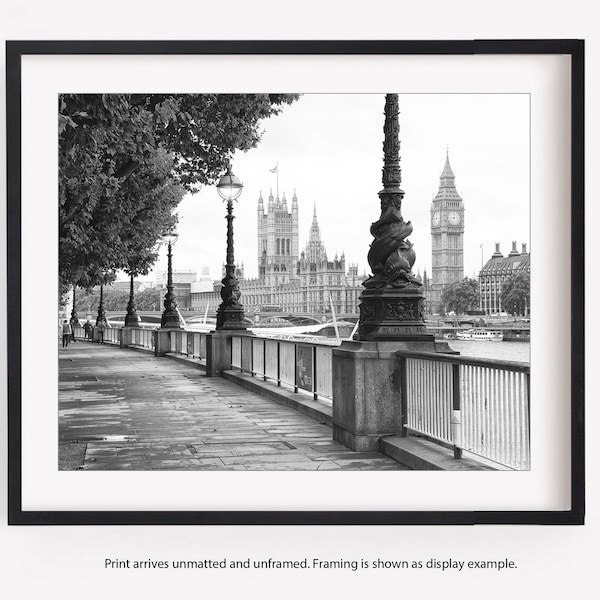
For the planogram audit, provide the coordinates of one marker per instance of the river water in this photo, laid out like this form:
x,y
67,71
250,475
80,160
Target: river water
x,y
513,351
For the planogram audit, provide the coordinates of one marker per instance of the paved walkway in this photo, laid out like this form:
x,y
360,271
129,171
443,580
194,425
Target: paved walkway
x,y
123,409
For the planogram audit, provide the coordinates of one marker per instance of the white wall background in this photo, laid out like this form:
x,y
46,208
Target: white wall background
x,y
67,562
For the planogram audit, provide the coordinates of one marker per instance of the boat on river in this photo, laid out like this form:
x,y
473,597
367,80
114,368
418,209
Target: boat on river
x,y
480,334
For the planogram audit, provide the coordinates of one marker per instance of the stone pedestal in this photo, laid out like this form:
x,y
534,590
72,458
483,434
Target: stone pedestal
x,y
367,402
126,337
163,342
218,350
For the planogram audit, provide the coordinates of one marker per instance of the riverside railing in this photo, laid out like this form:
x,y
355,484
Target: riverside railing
x,y
79,332
477,405
189,343
298,365
143,337
111,334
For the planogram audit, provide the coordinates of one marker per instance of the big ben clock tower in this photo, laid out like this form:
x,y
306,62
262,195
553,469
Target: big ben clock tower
x,y
447,230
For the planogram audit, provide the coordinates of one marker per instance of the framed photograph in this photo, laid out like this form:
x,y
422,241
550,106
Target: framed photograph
x,y
252,262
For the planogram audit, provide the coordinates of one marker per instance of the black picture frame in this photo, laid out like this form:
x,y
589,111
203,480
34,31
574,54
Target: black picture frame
x,y
15,50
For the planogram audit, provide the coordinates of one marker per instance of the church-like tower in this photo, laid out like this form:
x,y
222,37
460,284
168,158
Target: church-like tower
x,y
277,240
323,281
447,231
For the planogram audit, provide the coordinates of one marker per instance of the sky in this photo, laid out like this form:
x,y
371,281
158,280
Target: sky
x,y
329,150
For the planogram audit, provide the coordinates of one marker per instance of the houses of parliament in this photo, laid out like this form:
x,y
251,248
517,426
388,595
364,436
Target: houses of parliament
x,y
290,280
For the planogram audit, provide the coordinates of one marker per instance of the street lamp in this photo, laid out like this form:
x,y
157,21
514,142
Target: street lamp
x,y
101,316
170,316
392,303
230,314
74,316
132,319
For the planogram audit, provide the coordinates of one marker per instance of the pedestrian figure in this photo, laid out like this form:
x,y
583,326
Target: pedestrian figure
x,y
101,327
88,330
67,331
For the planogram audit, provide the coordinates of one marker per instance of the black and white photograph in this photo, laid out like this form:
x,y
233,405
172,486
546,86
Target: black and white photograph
x,y
291,282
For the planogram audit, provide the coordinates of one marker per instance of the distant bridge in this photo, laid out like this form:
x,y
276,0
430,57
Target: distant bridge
x,y
256,319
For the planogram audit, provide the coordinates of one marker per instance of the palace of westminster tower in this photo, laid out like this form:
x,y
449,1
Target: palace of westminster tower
x,y
447,243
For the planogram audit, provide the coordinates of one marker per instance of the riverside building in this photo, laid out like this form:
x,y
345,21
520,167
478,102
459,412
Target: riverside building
x,y
496,271
290,280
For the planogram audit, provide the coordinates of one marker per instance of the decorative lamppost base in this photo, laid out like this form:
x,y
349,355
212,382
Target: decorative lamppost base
x,y
132,320
170,320
393,315
230,318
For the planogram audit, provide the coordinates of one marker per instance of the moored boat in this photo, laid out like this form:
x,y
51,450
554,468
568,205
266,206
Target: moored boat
x,y
478,333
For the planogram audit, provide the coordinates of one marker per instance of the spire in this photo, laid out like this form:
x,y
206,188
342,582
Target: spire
x,y
315,231
260,201
447,172
447,189
271,197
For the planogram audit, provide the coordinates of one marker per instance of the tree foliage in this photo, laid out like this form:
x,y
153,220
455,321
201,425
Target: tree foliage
x,y
150,299
515,293
461,296
125,161
147,299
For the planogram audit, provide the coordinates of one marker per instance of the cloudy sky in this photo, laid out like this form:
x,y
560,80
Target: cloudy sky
x,y
329,150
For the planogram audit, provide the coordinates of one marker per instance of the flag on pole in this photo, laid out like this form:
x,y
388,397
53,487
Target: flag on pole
x,y
274,169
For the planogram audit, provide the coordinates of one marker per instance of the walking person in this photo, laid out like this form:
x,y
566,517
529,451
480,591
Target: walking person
x,y
67,331
88,330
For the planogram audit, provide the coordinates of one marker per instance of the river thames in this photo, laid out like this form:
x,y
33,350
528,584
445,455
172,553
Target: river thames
x,y
512,351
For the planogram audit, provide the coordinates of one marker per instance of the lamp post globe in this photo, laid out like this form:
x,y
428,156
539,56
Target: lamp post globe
x,y
229,186
170,316
230,314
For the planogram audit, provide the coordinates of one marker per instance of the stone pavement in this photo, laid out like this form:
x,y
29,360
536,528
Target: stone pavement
x,y
124,409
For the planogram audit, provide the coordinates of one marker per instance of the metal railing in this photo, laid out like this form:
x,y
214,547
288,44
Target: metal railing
x,y
79,332
188,343
298,365
477,405
144,338
112,335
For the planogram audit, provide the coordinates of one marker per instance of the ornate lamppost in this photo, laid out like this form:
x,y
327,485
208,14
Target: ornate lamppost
x,y
101,317
392,303
230,314
74,316
170,316
132,319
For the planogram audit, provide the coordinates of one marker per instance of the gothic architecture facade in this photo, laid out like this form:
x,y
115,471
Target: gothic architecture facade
x,y
447,245
289,280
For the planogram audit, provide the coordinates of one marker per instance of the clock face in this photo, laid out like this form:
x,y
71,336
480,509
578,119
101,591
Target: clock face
x,y
454,218
435,218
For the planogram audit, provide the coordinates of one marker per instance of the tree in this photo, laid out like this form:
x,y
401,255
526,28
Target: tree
x,y
121,231
515,293
150,298
87,301
125,160
461,296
